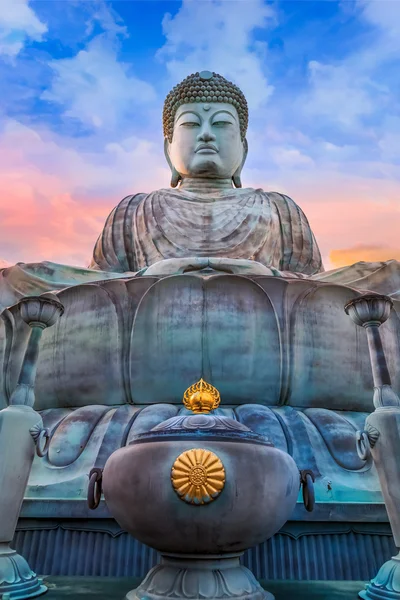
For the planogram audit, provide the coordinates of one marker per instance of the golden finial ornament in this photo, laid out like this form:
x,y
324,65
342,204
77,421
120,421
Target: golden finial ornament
x,y
198,476
201,397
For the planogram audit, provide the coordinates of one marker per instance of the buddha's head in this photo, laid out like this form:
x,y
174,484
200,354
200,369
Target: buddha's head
x,y
205,122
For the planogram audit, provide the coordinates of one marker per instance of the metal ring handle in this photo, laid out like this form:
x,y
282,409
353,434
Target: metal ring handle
x,y
43,443
307,479
362,444
94,488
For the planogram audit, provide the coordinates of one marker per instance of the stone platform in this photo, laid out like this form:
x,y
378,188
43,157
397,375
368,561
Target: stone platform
x,y
114,588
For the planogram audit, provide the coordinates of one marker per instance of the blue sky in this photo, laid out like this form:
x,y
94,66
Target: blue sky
x,y
80,114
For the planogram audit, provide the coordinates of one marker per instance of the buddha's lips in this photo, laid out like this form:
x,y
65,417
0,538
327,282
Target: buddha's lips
x,y
207,147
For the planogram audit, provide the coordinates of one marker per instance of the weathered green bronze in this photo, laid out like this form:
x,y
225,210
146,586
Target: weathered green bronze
x,y
381,436
205,278
17,451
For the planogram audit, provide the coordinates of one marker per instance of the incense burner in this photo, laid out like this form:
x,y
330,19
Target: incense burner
x,y
201,489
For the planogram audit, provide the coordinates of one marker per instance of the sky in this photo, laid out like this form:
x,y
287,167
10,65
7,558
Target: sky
x,y
82,88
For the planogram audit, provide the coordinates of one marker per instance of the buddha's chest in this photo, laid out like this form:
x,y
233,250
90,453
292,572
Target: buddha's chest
x,y
211,226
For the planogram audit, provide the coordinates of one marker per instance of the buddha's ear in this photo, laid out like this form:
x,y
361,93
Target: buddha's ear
x,y
175,177
237,182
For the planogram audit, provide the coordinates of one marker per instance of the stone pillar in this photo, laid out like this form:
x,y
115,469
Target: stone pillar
x,y
381,436
17,448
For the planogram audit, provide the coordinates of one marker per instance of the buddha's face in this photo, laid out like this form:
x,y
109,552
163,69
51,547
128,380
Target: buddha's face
x,y
206,140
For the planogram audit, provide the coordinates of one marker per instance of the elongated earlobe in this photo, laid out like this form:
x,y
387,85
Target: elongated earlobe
x,y
175,178
237,182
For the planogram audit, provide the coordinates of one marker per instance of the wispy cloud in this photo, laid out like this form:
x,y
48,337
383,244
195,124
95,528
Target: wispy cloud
x,y
385,14
18,22
340,93
363,253
96,88
220,37
54,198
108,19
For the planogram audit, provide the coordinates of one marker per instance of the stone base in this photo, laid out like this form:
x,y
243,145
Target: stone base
x,y
386,584
17,581
180,577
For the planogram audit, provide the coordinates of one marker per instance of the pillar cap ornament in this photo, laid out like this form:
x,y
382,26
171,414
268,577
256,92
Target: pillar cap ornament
x,y
369,309
40,311
201,397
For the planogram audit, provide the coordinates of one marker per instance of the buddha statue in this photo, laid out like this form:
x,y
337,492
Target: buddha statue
x,y
203,280
206,213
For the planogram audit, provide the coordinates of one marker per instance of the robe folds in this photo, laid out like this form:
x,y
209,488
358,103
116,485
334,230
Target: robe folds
x,y
237,223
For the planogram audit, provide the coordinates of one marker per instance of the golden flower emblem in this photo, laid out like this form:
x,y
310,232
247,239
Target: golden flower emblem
x,y
198,476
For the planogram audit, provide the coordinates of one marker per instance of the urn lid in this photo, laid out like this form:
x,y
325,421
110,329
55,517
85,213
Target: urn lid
x,y
202,399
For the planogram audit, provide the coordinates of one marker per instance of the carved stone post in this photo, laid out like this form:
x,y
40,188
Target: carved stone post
x,y
17,448
381,436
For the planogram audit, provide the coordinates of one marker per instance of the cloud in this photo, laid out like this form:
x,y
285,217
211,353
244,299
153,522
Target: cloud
x,y
343,117
108,19
290,157
55,198
18,23
56,190
344,209
362,252
389,142
385,14
338,93
360,84
95,88
212,35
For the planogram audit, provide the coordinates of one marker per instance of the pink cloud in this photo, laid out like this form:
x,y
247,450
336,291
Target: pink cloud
x,y
344,210
344,219
54,199
363,252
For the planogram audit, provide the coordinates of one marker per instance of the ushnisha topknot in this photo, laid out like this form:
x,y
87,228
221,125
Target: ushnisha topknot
x,y
204,87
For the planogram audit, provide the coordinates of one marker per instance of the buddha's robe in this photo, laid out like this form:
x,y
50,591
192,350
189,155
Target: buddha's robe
x,y
238,224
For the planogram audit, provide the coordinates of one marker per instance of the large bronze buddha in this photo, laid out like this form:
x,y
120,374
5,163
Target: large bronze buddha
x,y
207,213
205,279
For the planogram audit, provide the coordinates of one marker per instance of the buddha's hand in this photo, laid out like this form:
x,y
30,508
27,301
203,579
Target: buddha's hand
x,y
209,264
175,266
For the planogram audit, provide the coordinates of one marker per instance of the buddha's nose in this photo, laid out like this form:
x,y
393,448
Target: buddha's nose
x,y
206,136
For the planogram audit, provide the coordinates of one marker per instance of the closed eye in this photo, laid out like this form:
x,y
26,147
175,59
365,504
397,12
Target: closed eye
x,y
190,124
221,123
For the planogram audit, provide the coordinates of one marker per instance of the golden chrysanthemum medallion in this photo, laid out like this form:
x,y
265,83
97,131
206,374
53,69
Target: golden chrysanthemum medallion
x,y
198,476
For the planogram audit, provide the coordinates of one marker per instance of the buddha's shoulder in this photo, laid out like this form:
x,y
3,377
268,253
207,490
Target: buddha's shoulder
x,y
281,201
133,200
129,201
276,197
